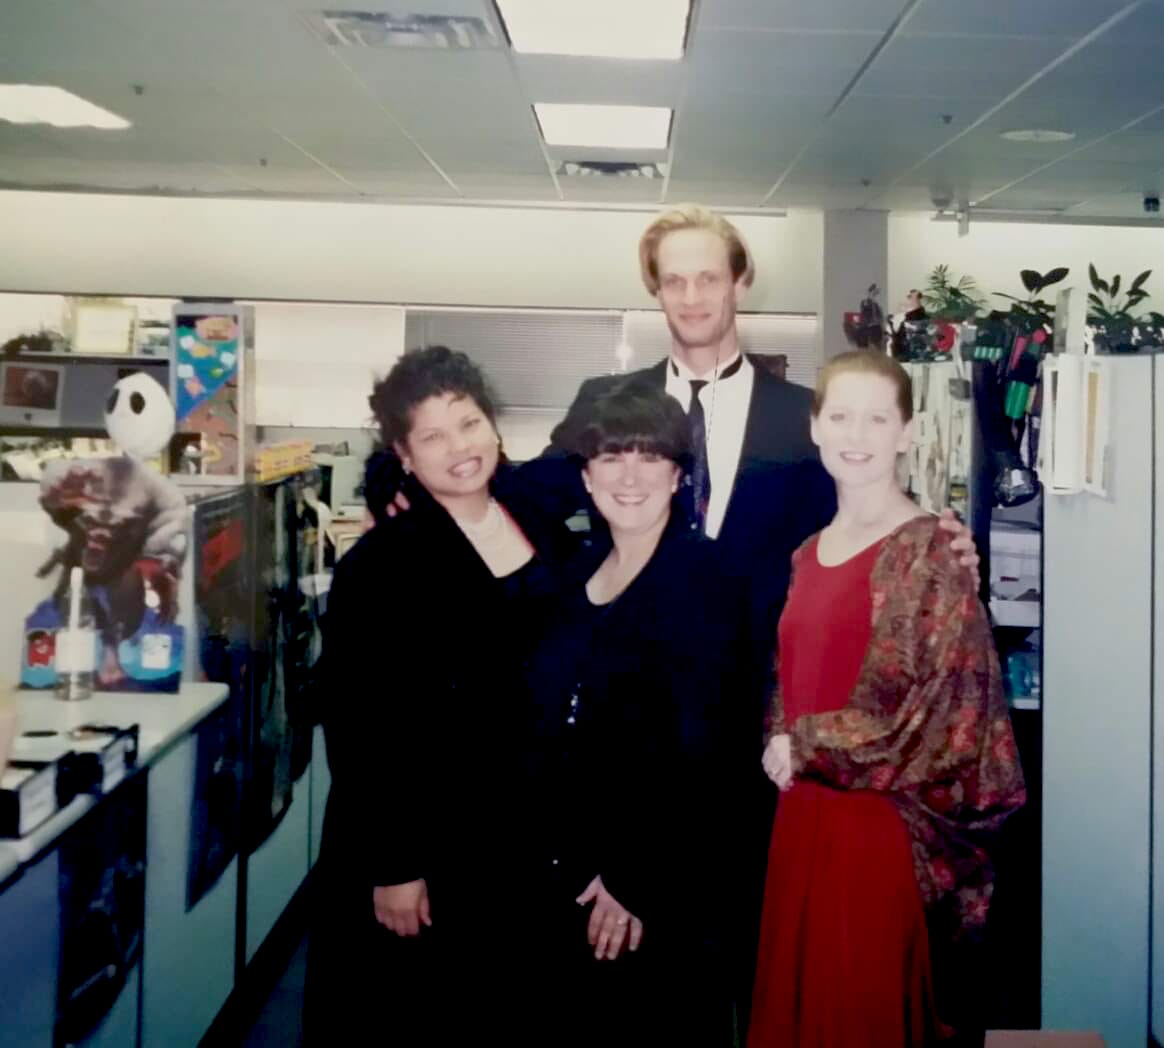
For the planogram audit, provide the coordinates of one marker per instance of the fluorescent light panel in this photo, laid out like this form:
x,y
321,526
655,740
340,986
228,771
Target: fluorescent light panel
x,y
650,29
39,104
604,127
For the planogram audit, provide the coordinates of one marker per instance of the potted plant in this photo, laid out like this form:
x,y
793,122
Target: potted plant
x,y
949,299
1027,315
1117,329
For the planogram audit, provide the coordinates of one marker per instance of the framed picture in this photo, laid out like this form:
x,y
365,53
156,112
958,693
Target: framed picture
x,y
101,326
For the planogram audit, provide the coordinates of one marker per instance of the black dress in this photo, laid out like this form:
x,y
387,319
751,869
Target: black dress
x,y
426,732
642,710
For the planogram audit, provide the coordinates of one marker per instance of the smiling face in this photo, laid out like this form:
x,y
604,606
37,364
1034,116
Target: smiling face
x,y
860,430
632,489
452,447
696,289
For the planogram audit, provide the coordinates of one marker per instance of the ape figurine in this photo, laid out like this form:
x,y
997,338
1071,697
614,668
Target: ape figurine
x,y
127,531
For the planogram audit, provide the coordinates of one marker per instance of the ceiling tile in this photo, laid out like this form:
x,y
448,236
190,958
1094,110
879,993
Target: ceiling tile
x,y
612,190
970,68
505,187
816,195
1035,18
842,16
772,64
717,192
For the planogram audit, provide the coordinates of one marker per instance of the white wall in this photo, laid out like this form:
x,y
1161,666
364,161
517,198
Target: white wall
x,y
315,364
96,243
993,253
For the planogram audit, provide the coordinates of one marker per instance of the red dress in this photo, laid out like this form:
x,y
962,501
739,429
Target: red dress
x,y
844,955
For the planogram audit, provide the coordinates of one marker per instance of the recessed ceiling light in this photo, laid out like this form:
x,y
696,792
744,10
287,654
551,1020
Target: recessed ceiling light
x,y
604,127
1038,134
597,28
37,104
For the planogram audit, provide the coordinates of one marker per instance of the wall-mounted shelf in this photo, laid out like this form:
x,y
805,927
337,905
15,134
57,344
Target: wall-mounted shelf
x,y
122,359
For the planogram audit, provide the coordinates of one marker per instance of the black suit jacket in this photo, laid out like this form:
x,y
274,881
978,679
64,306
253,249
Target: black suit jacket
x,y
777,429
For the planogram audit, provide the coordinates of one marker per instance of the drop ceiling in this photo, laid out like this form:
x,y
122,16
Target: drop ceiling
x,y
777,104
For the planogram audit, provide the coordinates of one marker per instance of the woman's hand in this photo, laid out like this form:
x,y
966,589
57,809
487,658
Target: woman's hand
x,y
777,761
612,926
962,542
403,908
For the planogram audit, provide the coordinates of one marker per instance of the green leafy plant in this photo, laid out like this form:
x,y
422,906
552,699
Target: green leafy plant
x,y
946,298
1034,311
1113,317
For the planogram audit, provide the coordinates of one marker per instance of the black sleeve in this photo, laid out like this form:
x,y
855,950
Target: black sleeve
x,y
554,483
383,477
371,721
562,437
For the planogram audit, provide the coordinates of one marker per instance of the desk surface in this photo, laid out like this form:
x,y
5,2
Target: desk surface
x,y
162,719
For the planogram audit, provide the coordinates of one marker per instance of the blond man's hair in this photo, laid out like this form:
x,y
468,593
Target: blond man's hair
x,y
866,362
693,216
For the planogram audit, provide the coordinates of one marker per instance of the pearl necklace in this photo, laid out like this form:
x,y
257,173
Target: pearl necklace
x,y
485,529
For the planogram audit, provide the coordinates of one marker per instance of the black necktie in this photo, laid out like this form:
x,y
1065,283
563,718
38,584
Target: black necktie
x,y
701,473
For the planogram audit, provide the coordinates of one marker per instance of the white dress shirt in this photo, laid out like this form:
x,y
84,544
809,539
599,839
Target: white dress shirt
x,y
725,407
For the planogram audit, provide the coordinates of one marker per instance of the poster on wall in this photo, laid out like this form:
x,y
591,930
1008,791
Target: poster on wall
x,y
208,381
270,782
222,615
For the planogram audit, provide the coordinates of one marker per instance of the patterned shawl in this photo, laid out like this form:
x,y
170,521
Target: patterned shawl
x,y
927,722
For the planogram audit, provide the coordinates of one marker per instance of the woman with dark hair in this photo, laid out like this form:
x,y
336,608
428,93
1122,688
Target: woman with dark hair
x,y
418,929
635,685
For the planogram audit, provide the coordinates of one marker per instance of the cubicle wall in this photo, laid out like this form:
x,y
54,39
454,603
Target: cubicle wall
x,y
1098,688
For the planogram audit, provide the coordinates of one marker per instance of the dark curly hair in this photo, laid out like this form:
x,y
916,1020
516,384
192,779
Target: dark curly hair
x,y
422,373
631,416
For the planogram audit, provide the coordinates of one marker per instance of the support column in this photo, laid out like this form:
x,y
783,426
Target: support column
x,y
856,254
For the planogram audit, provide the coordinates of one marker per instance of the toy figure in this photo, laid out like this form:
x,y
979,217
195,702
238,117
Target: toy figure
x,y
127,531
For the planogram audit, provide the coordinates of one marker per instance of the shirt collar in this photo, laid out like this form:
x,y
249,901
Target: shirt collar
x,y
677,369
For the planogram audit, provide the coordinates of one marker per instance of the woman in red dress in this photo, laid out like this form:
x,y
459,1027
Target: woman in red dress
x,y
890,739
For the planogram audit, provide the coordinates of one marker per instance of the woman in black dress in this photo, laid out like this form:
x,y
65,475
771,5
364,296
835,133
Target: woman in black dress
x,y
418,929
644,738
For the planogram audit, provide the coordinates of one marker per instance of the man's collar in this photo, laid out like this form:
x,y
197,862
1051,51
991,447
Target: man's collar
x,y
724,369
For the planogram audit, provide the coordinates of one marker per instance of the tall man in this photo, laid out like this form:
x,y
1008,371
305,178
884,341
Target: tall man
x,y
697,266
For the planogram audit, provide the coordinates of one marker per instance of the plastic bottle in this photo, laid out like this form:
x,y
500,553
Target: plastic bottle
x,y
76,644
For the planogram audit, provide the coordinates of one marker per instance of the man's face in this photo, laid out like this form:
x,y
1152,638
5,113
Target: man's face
x,y
696,289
